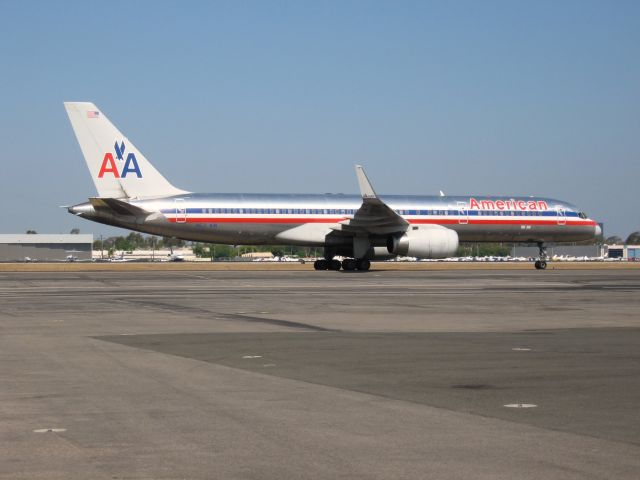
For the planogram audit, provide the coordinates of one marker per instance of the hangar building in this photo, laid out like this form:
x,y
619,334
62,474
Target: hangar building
x,y
626,252
45,247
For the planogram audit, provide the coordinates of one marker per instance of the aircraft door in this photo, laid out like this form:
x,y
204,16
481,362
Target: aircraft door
x,y
561,217
463,213
181,211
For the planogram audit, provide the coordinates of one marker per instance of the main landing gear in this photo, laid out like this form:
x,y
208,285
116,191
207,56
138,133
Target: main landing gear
x,y
351,264
324,264
542,263
348,264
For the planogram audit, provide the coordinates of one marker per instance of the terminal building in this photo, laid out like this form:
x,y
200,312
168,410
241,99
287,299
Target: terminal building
x,y
45,247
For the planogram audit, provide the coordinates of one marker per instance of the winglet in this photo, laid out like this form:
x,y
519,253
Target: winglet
x,y
366,190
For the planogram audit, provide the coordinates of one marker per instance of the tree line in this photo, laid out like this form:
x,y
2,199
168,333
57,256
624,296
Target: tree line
x,y
632,239
137,241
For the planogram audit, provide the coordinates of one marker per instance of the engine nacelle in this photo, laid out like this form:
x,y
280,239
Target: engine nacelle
x,y
427,241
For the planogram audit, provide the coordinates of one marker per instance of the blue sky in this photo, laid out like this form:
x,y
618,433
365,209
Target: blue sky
x,y
495,97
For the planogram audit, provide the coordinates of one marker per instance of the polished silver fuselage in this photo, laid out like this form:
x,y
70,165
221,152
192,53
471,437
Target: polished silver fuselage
x,y
265,218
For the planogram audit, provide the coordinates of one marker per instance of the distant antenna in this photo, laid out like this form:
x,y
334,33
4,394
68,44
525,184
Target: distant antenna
x,y
441,193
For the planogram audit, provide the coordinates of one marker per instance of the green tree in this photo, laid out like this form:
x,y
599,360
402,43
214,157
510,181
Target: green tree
x,y
224,251
633,239
172,242
121,243
613,240
483,250
200,250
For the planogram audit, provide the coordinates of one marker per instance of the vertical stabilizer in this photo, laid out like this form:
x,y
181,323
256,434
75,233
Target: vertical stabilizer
x,y
117,167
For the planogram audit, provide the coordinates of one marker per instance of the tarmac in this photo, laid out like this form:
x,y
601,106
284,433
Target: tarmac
x,y
202,374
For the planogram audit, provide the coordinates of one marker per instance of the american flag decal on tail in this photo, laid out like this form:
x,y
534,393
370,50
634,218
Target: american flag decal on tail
x,y
93,114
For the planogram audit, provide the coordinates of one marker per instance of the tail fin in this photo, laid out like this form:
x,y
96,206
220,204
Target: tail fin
x,y
117,167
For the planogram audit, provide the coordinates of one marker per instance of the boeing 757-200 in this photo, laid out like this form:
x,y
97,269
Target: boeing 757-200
x,y
132,194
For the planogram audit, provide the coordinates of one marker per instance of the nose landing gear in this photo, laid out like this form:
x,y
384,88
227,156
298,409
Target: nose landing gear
x,y
542,263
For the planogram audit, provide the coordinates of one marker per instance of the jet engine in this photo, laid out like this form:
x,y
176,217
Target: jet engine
x,y
424,241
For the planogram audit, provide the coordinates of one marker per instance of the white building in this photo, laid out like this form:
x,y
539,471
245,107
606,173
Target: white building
x,y
626,252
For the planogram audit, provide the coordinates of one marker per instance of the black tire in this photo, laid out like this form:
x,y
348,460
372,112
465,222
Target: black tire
x,y
537,265
543,265
364,264
335,265
349,264
320,264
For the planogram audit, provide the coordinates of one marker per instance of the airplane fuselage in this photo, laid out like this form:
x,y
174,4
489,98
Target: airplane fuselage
x,y
265,218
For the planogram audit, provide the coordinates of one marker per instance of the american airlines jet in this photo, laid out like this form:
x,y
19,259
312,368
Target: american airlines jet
x,y
132,194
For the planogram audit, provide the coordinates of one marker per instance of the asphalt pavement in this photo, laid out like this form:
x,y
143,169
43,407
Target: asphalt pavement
x,y
386,374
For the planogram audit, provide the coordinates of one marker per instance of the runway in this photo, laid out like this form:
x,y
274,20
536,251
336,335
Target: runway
x,y
301,374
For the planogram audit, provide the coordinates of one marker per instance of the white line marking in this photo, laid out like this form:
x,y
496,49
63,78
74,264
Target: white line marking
x,y
269,365
520,405
50,430
521,349
252,356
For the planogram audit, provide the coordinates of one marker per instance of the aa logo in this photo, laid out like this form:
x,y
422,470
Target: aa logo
x,y
109,165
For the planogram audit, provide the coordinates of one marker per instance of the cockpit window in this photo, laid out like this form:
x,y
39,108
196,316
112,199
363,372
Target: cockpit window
x,y
582,215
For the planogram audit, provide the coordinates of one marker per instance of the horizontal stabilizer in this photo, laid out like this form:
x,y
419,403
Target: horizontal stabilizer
x,y
118,206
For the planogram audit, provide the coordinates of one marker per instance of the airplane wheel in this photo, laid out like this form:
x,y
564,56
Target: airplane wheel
x,y
537,264
364,264
335,265
543,265
349,264
320,265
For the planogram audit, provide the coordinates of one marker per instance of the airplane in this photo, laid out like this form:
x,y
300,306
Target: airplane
x,y
71,257
132,194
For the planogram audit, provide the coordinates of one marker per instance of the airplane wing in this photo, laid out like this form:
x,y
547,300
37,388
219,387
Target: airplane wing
x,y
374,216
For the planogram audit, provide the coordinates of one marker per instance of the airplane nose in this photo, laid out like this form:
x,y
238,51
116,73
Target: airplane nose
x,y
598,231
